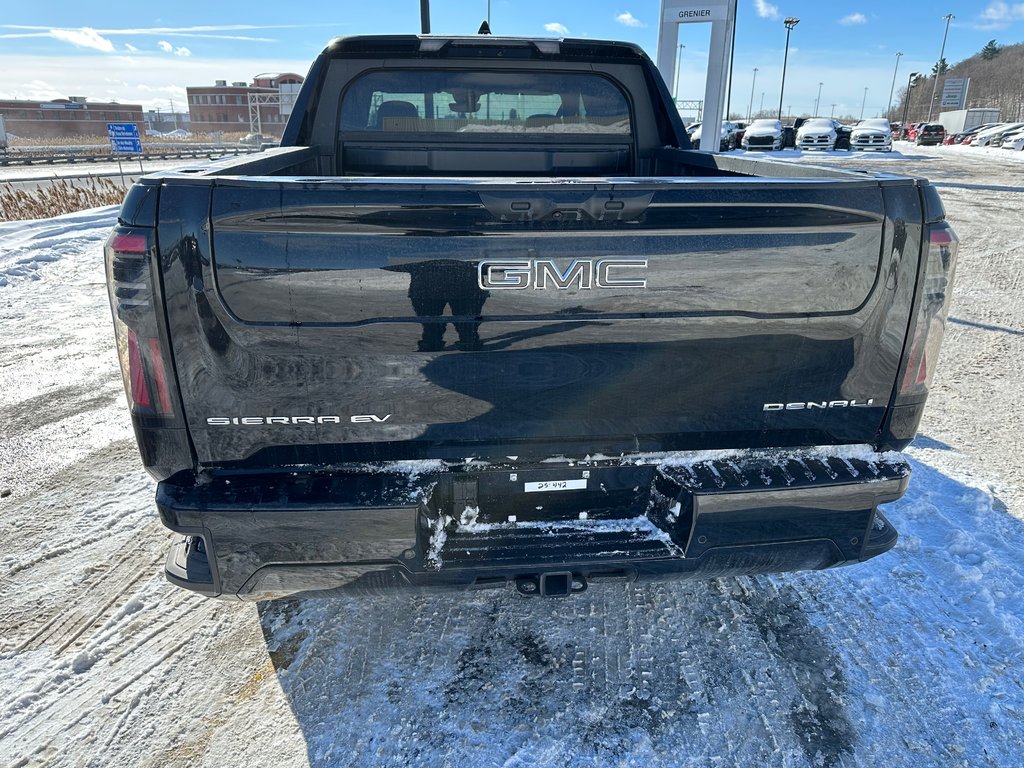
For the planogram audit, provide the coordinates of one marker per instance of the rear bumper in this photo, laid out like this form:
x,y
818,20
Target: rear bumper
x,y
359,528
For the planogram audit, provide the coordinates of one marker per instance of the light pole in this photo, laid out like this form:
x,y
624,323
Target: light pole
x,y
892,88
906,107
679,60
817,101
761,108
750,106
942,52
833,112
863,102
790,22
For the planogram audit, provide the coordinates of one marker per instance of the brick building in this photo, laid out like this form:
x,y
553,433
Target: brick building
x,y
223,107
66,117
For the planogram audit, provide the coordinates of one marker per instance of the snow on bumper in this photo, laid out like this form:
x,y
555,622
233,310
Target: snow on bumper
x,y
686,514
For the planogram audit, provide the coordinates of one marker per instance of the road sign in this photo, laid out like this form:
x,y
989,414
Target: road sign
x,y
129,146
124,137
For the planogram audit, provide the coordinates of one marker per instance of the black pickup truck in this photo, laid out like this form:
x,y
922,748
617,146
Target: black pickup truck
x,y
485,319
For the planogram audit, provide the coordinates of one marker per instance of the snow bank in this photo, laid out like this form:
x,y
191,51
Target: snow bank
x,y
26,247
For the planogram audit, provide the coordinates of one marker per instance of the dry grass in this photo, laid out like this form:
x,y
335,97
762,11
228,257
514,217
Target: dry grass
x,y
60,197
101,144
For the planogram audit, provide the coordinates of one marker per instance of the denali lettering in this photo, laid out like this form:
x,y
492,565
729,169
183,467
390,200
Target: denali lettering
x,y
811,405
584,274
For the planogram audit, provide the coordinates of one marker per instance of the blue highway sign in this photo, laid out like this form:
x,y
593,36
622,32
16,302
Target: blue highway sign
x,y
124,137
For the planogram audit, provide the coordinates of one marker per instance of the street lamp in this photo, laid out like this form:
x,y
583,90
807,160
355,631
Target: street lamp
x,y
911,82
942,52
833,112
679,60
863,102
817,100
790,22
750,106
892,88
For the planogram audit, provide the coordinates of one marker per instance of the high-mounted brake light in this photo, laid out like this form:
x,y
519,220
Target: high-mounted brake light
x,y
930,322
128,254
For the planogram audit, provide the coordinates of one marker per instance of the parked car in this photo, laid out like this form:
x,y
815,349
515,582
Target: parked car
x,y
727,136
763,133
992,135
872,134
996,138
958,138
930,134
741,128
1014,141
816,133
912,131
844,134
966,136
256,139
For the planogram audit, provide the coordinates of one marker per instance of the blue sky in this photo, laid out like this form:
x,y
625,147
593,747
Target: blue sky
x,y
147,53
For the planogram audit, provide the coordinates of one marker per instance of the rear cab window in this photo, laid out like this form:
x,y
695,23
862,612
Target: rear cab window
x,y
485,104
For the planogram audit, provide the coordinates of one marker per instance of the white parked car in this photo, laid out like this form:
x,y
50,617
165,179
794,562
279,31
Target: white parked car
x,y
817,133
1014,141
872,134
727,136
985,138
763,133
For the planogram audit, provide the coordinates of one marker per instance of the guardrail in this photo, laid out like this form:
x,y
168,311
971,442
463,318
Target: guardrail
x,y
71,158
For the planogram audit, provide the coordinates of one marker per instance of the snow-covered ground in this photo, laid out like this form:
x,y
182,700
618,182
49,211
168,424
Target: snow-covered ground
x,y
914,659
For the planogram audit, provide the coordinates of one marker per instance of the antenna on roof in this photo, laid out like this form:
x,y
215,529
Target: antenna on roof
x,y
485,28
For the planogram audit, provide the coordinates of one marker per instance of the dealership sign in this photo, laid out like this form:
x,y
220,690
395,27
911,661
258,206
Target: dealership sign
x,y
954,92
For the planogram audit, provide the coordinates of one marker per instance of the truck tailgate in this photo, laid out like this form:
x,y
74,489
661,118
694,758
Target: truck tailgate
x,y
320,321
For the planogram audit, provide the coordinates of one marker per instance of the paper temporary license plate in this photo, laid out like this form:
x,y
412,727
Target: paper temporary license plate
x,y
546,486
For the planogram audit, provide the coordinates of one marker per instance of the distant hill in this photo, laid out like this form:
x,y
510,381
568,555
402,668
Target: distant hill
x,y
997,80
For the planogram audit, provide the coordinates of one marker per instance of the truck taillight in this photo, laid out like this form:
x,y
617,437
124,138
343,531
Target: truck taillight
x,y
930,322
128,254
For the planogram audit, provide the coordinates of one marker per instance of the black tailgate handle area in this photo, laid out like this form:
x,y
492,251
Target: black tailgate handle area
x,y
596,206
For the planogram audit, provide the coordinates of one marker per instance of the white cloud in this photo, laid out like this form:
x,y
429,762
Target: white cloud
x,y
208,31
165,46
39,90
766,10
83,38
1003,12
152,79
183,51
854,18
558,29
629,20
130,48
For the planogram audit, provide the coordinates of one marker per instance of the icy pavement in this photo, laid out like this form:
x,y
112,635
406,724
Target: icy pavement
x,y
913,659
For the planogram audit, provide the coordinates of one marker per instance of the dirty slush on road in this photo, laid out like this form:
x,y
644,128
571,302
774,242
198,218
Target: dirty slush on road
x,y
914,658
